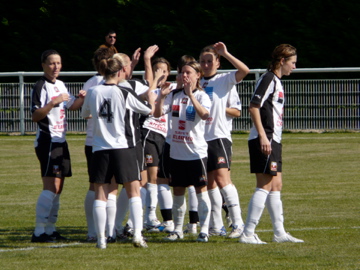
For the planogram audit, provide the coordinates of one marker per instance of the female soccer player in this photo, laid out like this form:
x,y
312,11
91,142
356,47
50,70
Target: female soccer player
x,y
114,141
218,87
49,101
266,111
189,108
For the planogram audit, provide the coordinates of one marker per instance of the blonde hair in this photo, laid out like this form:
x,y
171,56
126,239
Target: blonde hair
x,y
123,58
196,66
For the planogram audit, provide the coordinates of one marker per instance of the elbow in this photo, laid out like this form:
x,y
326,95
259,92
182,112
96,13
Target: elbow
x,y
205,116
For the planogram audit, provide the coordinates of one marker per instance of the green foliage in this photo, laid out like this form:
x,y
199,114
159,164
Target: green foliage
x,y
325,35
320,195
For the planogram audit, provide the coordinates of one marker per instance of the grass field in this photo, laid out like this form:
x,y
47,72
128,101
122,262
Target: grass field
x,y
320,195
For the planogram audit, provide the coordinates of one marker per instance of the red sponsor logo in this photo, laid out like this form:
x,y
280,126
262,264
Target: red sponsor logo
x,y
175,108
182,125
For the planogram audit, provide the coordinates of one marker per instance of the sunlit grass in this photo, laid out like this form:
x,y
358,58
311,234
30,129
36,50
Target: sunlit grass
x,y
320,197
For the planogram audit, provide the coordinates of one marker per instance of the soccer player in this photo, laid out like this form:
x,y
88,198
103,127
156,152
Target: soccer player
x,y
49,101
266,111
189,108
218,87
114,141
99,54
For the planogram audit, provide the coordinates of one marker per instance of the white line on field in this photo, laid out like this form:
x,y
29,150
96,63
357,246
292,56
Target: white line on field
x,y
31,248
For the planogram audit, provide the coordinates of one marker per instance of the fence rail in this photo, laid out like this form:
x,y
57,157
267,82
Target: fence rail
x,y
330,104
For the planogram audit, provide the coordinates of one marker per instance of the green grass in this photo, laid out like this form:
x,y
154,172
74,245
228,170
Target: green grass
x,y
320,195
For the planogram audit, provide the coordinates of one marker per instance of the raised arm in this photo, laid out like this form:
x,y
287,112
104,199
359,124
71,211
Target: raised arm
x,y
242,69
148,54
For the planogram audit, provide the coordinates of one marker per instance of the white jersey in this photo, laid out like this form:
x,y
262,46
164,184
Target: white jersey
x,y
218,88
93,81
188,129
54,125
158,124
110,107
269,94
139,87
232,102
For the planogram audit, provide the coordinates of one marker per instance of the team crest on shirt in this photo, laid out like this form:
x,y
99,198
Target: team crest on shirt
x,y
149,158
221,160
273,166
175,110
281,97
56,89
202,178
56,169
184,100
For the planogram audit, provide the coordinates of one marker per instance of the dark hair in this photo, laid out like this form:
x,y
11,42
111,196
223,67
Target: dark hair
x,y
110,32
46,54
161,60
282,51
183,60
100,54
108,67
210,49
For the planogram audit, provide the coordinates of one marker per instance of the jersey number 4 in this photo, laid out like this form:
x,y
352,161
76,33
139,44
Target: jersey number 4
x,y
105,110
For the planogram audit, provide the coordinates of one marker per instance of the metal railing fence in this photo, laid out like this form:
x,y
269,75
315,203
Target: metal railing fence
x,y
330,104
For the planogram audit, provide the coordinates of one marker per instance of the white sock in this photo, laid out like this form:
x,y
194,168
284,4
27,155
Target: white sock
x,y
256,207
151,202
275,209
110,214
122,206
100,218
136,214
165,197
204,210
193,199
88,206
43,208
216,221
237,198
179,209
231,198
143,192
53,216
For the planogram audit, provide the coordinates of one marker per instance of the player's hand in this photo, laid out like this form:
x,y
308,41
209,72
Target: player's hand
x,y
150,51
265,146
220,48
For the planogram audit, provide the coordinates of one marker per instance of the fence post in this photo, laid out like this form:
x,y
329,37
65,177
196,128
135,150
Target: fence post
x,y
22,109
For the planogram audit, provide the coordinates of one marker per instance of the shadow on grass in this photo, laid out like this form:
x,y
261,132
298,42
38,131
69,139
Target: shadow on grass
x,y
21,237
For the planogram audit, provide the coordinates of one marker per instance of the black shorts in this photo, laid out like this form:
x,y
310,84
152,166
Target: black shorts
x,y
186,173
153,146
164,162
219,154
54,159
121,163
140,156
88,155
260,163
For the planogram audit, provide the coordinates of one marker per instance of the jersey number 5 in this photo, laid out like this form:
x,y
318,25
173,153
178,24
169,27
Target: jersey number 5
x,y
105,110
